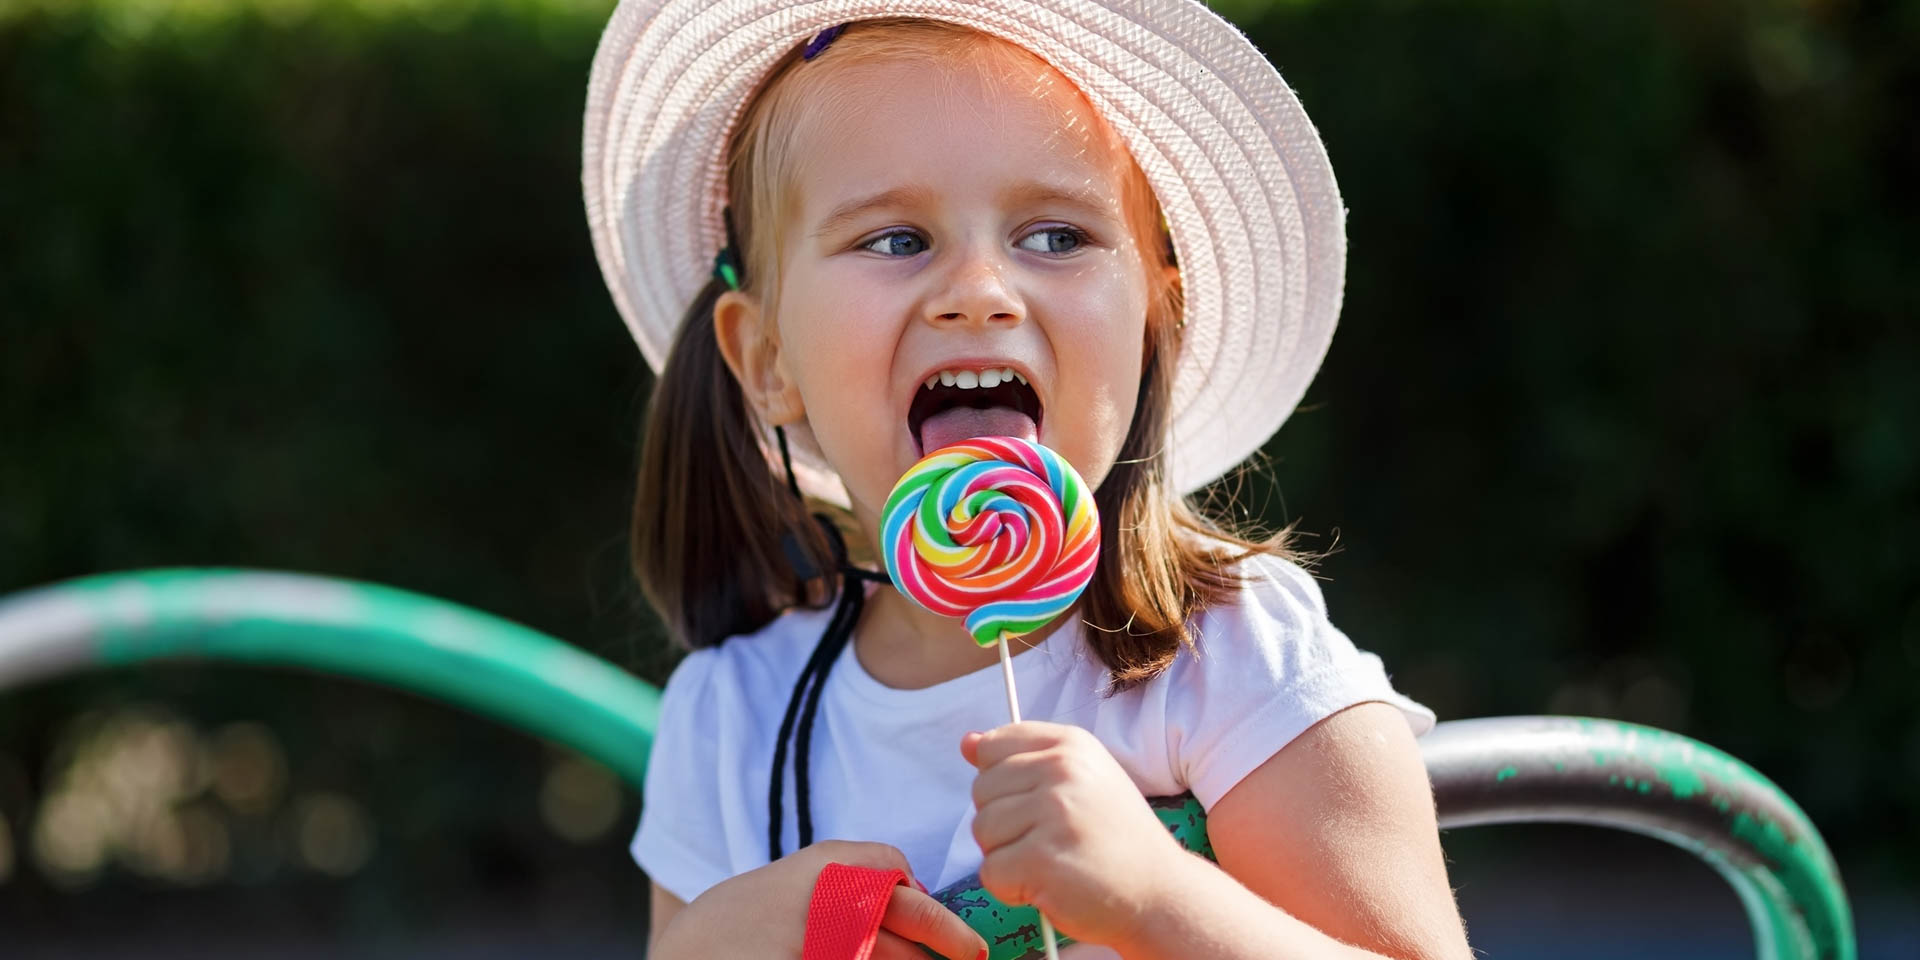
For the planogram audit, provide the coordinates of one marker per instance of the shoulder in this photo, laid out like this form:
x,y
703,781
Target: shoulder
x,y
730,696
1271,587
1265,665
1274,635
750,662
1277,610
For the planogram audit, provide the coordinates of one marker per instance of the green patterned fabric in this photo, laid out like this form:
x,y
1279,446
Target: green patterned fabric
x,y
1013,932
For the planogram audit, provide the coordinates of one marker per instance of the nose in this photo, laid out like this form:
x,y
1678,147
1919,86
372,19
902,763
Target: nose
x,y
976,291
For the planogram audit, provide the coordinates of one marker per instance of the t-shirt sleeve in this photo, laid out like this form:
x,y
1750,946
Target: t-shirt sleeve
x,y
1264,670
680,843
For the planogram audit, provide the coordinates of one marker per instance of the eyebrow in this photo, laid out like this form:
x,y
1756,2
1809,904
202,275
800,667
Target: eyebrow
x,y
1034,193
852,209
1028,193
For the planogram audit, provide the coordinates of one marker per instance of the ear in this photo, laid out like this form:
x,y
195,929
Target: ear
x,y
752,352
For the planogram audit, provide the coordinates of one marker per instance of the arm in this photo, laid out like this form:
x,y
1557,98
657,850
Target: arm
x,y
664,907
1329,849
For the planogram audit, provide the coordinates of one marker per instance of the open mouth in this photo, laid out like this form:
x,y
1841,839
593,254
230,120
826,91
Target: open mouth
x,y
959,404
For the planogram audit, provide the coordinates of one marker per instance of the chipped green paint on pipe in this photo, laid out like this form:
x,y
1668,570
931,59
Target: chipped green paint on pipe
x,y
1650,781
437,649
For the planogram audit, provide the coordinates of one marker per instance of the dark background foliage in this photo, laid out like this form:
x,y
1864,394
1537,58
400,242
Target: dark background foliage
x,y
1620,419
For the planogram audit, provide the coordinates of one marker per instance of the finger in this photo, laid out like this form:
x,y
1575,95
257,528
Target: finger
x,y
922,919
1008,873
1003,742
1004,821
890,947
853,853
969,743
1020,773
887,946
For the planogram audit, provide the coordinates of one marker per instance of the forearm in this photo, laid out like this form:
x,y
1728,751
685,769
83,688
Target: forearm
x,y
713,926
1204,912
684,937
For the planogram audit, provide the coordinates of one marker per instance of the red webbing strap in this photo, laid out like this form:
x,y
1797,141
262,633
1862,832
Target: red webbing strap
x,y
843,921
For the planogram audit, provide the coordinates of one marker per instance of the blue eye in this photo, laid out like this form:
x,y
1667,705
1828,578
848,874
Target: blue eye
x,y
901,243
1056,240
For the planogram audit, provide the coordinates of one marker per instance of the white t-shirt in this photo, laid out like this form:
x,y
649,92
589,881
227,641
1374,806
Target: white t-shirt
x,y
886,762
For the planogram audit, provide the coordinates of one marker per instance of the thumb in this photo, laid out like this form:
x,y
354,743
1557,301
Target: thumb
x,y
970,747
920,918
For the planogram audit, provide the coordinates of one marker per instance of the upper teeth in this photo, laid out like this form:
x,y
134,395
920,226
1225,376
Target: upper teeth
x,y
968,379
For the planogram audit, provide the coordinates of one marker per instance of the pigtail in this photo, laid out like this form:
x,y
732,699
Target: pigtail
x,y
718,541
1161,561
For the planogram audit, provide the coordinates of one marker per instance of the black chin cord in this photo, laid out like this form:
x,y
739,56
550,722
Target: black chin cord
x,y
804,704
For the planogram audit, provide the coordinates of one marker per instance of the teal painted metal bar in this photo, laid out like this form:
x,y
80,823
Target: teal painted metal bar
x,y
1496,770
430,647
1663,785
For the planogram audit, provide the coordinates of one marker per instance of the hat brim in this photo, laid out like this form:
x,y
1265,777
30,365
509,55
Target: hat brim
x,y
1249,196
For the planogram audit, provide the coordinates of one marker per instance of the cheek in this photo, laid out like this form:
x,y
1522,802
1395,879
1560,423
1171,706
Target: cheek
x,y
838,344
1103,354
839,351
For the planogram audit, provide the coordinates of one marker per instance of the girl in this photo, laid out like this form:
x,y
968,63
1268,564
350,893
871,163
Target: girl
x,y
1100,224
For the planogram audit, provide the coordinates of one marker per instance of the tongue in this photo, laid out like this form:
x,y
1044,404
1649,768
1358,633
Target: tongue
x,y
964,423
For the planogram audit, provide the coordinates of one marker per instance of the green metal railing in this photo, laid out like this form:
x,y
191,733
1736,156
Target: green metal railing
x,y
1663,785
1497,770
431,647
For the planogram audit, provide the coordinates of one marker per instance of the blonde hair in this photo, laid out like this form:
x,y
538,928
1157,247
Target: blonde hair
x,y
709,513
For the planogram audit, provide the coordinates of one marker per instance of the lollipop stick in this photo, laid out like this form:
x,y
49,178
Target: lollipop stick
x,y
1006,671
1013,707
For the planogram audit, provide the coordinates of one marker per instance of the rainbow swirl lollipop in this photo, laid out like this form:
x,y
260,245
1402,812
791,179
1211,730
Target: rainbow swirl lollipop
x,y
998,530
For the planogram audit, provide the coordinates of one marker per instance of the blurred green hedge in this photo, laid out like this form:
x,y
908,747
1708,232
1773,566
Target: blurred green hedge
x,y
1620,419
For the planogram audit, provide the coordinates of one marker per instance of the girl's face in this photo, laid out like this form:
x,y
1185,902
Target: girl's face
x,y
948,225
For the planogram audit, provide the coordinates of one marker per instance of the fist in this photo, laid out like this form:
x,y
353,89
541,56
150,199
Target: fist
x,y
763,913
1062,826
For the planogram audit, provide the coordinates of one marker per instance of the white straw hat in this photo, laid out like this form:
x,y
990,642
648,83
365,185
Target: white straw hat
x,y
1249,196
